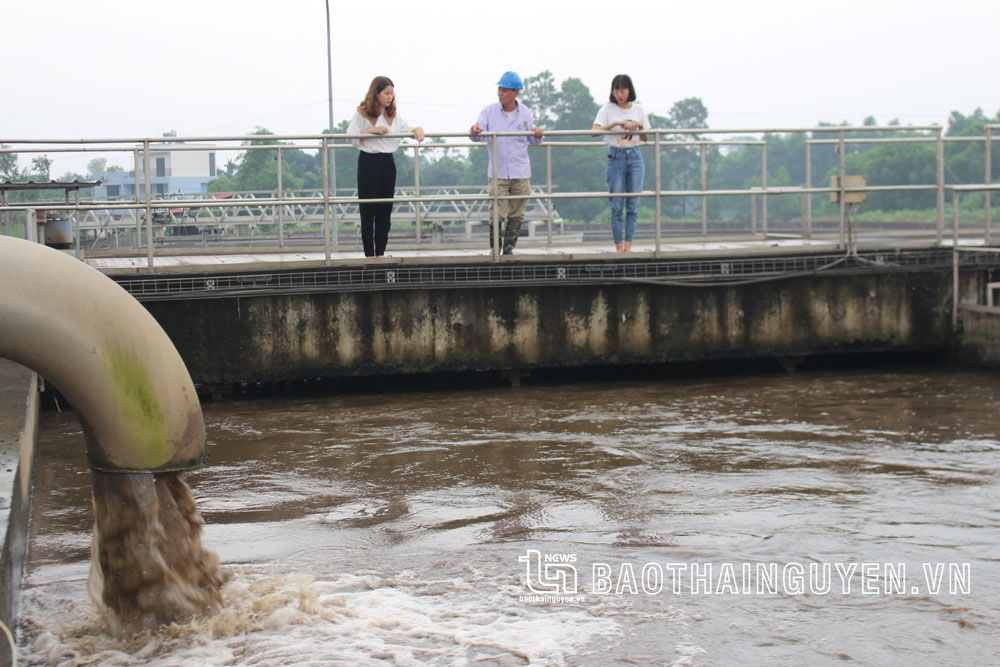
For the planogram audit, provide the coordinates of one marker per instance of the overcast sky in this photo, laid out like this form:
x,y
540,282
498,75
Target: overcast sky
x,y
116,68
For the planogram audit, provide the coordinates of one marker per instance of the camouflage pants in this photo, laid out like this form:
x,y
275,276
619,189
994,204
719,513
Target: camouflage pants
x,y
511,210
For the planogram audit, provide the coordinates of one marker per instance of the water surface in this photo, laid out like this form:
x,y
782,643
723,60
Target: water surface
x,y
404,528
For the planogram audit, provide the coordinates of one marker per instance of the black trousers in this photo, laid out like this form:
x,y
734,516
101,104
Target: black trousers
x,y
376,180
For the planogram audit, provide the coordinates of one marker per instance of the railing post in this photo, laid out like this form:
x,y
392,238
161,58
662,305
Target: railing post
x,y
281,213
704,188
31,226
416,190
495,212
5,216
807,223
954,287
842,181
956,201
940,184
334,228
656,146
763,197
326,199
149,209
548,187
989,181
76,224
138,218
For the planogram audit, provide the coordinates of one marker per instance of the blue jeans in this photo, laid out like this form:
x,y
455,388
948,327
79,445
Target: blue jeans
x,y
625,174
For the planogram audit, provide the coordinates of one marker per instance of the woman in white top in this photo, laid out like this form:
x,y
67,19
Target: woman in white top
x,y
376,115
625,166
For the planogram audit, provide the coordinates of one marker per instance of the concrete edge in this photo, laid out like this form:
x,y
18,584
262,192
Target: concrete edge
x,y
253,260
17,510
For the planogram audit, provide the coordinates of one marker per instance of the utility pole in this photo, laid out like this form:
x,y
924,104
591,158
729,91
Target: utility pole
x,y
330,152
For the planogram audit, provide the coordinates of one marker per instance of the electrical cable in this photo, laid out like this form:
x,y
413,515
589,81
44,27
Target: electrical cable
x,y
736,283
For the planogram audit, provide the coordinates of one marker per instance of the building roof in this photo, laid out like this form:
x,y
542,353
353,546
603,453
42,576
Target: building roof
x,y
47,185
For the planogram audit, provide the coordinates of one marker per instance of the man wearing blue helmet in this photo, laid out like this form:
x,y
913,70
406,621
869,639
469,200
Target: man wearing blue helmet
x,y
513,176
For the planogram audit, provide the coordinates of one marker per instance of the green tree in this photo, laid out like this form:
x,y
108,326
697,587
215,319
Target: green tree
x,y
575,107
897,164
8,165
445,171
575,169
737,167
540,95
962,125
475,169
304,167
73,176
689,113
257,169
965,162
97,166
40,167
681,165
346,160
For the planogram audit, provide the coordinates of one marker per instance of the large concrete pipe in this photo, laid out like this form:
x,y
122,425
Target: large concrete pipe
x,y
106,354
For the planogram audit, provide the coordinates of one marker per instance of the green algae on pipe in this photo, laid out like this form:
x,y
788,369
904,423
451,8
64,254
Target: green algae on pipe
x,y
106,354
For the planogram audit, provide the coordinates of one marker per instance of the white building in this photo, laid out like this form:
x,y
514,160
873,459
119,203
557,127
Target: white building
x,y
174,167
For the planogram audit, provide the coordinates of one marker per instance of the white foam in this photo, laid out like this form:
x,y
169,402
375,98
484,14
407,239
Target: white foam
x,y
363,618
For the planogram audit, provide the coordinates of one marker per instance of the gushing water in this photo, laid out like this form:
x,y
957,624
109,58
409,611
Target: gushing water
x,y
148,567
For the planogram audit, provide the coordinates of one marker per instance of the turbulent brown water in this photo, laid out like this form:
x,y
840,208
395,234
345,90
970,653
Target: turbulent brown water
x,y
447,527
148,567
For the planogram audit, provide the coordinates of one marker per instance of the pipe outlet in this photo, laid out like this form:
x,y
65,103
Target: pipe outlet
x,y
106,354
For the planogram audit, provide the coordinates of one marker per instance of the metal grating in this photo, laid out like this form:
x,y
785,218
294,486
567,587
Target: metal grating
x,y
680,272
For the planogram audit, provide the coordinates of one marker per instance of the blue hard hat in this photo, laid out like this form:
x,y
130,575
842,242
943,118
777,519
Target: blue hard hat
x,y
510,80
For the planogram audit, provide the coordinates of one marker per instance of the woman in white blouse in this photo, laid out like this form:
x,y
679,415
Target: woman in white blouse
x,y
377,116
625,166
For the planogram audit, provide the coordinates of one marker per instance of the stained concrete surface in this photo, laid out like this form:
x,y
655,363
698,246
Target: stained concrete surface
x,y
18,436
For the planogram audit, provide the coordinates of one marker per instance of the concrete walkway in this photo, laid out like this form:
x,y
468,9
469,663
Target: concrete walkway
x,y
198,260
210,260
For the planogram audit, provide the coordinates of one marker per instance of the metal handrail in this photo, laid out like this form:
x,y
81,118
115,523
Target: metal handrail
x,y
661,138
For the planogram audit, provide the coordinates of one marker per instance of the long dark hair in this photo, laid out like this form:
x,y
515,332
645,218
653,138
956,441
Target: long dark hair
x,y
369,105
620,81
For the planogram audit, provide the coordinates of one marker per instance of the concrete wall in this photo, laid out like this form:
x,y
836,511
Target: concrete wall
x,y
979,341
291,336
18,437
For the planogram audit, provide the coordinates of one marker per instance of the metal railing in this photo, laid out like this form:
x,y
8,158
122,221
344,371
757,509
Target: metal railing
x,y
321,212
250,215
